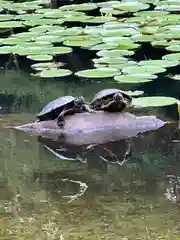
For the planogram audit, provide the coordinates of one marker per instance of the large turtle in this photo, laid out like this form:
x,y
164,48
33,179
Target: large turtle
x,y
58,108
111,100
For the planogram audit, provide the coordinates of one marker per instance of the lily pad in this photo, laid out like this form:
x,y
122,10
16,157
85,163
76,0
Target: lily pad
x,y
79,7
173,48
54,72
12,41
154,101
6,49
119,32
175,77
135,93
98,73
162,63
144,69
46,65
111,60
143,38
11,24
40,58
46,28
50,38
103,46
133,78
109,10
151,13
172,56
59,50
43,22
160,43
99,20
119,66
84,43
114,53
133,6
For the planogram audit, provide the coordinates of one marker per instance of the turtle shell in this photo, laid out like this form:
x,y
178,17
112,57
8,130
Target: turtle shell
x,y
52,110
109,93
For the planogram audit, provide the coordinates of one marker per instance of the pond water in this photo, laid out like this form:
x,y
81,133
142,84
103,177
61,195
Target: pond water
x,y
43,197
120,202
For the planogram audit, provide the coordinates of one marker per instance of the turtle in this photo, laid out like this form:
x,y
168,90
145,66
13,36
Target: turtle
x,y
58,108
111,100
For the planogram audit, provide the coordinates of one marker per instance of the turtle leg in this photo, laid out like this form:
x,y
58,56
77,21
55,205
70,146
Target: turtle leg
x,y
106,106
87,108
61,117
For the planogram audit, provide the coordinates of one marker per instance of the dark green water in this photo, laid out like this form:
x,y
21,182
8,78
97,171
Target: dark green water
x,y
120,202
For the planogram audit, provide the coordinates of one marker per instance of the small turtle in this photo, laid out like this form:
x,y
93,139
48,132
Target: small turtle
x,y
58,108
111,100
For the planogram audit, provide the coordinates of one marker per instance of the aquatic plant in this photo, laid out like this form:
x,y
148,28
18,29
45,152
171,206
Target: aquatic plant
x,y
115,36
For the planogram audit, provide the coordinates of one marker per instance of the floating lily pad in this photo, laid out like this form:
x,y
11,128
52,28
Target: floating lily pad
x,y
119,32
11,24
35,44
154,101
43,22
160,43
78,38
46,28
52,73
98,73
107,4
34,50
27,16
119,66
25,35
133,78
109,10
77,18
131,6
7,17
151,13
59,50
173,48
169,8
50,38
40,58
176,77
99,20
85,43
103,46
12,41
143,69
6,49
143,38
46,65
172,56
162,63
111,60
135,93
79,7
114,53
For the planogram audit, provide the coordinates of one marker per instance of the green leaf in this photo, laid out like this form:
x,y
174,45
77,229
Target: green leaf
x,y
52,73
135,78
40,58
154,101
114,53
143,69
98,73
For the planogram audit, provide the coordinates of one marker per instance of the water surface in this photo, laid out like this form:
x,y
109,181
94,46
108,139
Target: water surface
x,y
120,202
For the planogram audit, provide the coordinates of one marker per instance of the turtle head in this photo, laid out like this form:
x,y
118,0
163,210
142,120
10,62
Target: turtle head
x,y
78,102
118,97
